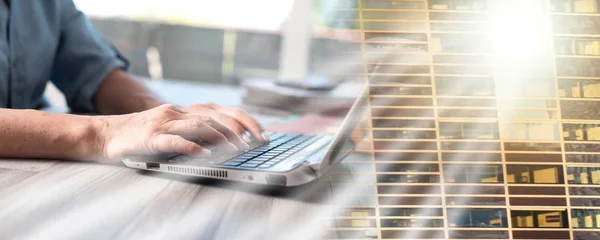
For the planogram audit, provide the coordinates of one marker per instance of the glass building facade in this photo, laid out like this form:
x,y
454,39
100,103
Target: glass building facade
x,y
484,120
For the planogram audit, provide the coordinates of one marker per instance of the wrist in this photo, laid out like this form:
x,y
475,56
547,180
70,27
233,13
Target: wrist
x,y
91,139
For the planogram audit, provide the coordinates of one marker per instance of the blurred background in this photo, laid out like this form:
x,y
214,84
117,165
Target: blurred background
x,y
211,41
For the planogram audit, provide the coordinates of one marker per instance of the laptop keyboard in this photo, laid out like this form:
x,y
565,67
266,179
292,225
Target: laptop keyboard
x,y
281,146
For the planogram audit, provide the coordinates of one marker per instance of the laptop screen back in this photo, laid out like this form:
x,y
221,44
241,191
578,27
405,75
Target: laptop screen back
x,y
346,138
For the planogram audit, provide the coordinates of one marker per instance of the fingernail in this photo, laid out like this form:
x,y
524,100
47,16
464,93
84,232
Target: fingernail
x,y
205,152
246,138
265,136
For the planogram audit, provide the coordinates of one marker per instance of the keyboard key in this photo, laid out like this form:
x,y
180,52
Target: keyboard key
x,y
272,163
249,165
230,163
246,155
262,158
253,162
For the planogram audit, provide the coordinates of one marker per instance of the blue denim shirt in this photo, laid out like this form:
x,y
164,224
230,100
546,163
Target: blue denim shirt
x,y
50,40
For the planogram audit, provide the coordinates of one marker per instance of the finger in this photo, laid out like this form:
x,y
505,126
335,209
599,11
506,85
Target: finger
x,y
166,143
196,129
230,122
171,107
224,119
245,120
229,134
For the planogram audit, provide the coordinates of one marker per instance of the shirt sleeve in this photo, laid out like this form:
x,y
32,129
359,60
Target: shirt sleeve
x,y
83,59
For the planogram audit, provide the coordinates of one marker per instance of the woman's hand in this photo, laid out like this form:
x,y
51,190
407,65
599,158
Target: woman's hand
x,y
234,118
166,129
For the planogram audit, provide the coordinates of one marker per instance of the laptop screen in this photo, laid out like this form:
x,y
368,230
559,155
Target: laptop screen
x,y
349,132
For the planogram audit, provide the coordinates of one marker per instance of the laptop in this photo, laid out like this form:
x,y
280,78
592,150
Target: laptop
x,y
287,160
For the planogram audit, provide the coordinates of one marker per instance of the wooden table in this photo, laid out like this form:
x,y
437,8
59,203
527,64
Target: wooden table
x,y
54,199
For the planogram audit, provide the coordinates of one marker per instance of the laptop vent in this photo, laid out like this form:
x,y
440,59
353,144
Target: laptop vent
x,y
198,171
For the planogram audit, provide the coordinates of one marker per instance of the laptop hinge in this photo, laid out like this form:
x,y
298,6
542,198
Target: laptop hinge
x,y
315,160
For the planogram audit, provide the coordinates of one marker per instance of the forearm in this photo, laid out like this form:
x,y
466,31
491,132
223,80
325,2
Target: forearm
x,y
37,134
120,93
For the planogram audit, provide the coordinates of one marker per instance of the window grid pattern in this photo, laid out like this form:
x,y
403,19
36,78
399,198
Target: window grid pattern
x,y
456,151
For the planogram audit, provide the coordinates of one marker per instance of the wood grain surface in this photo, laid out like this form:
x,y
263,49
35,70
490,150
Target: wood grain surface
x,y
54,199
76,200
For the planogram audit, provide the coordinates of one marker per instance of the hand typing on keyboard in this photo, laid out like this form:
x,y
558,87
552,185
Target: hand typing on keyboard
x,y
234,118
164,129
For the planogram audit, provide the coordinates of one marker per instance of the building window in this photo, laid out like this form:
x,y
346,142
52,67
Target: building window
x,y
580,109
577,67
465,102
530,114
407,178
519,87
411,212
537,174
539,219
403,134
576,46
579,88
468,130
407,167
357,212
473,5
361,223
577,6
527,104
531,131
449,86
583,175
375,91
581,132
472,173
459,43
583,158
341,223
532,147
412,223
474,190
400,123
391,79
369,4
476,218
470,200
585,218
584,191
472,234
471,145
